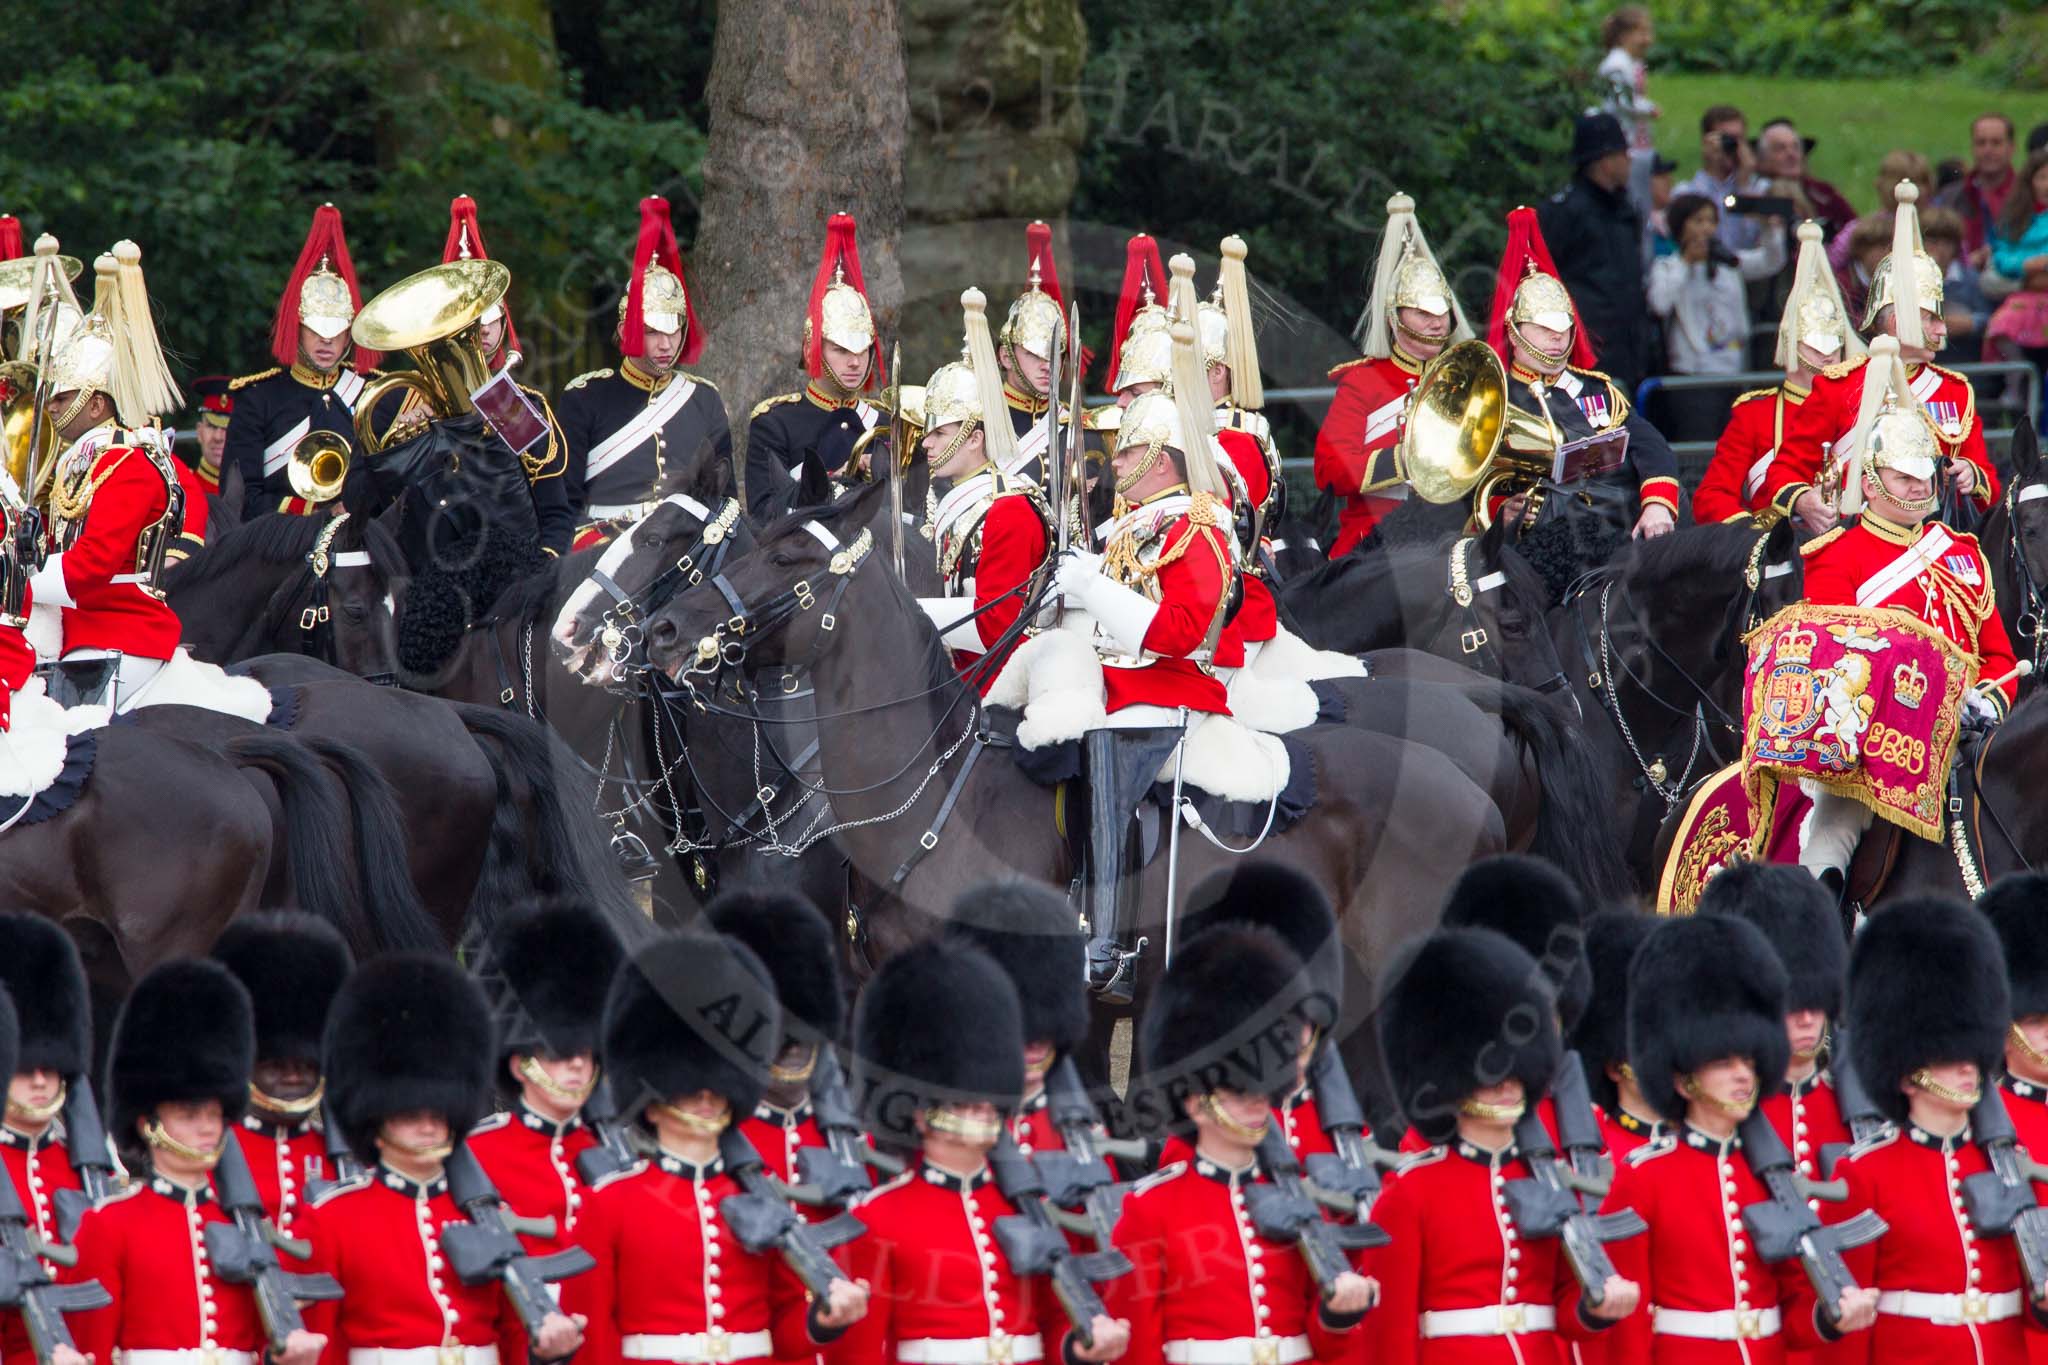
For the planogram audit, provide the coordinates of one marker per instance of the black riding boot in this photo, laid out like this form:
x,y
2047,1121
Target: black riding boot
x,y
1121,765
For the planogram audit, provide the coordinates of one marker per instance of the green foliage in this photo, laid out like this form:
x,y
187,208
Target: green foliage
x,y
1215,118
213,151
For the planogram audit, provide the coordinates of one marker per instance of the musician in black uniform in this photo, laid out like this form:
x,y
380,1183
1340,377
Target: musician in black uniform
x,y
844,361
1035,328
629,427
313,386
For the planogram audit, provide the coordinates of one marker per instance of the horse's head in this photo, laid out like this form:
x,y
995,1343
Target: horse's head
x,y
2026,502
776,604
688,535
1508,602
356,594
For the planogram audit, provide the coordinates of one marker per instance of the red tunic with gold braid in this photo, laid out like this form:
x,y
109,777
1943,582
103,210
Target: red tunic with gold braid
x,y
989,542
1203,1274
669,1267
1945,1294
1707,1298
936,1274
1459,1284
282,1158
1733,486
1829,416
39,1167
1176,551
147,1247
101,505
17,659
1928,571
532,1161
380,1236
1355,446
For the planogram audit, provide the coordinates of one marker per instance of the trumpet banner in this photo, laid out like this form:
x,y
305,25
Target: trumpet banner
x,y
1866,703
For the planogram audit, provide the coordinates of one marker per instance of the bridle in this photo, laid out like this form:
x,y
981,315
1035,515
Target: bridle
x,y
728,642
2032,606
623,635
316,621
1475,642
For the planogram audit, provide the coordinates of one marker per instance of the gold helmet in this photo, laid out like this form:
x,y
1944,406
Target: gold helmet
x,y
1892,430
1542,299
970,391
1407,276
843,317
325,304
838,308
1912,291
1036,322
321,294
662,302
1147,356
1903,438
951,395
1815,315
114,350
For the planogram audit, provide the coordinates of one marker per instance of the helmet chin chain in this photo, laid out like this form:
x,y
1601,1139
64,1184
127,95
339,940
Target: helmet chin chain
x,y
968,426
1125,482
1553,361
1873,488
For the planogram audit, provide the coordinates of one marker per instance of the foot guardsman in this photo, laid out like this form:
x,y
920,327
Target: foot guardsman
x,y
292,965
2014,904
1626,1119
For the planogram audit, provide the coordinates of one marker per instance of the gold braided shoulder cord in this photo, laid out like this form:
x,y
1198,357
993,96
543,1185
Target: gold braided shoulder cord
x,y
1120,557
72,494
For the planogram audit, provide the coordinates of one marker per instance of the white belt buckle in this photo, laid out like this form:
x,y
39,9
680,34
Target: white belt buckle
x,y
1266,1351
717,1345
1510,1319
450,1355
1748,1324
1976,1306
1001,1348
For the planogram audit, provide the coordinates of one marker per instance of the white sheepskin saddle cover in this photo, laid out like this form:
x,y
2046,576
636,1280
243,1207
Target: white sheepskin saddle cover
x,y
32,747
1272,693
185,681
1055,679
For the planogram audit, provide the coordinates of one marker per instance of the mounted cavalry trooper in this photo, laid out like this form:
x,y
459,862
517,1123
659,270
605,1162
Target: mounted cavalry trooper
x,y
1893,557
992,530
316,381
1410,316
1035,328
843,359
1905,304
624,427
1813,336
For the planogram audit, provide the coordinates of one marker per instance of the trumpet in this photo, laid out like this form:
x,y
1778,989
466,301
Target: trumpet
x,y
318,466
1463,439
432,317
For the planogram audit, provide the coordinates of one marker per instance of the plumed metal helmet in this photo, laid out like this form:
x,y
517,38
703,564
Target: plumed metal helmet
x,y
938,1024
1601,1037
951,395
1467,1009
408,1031
691,1012
795,942
1532,902
1419,282
2017,906
1227,1014
1152,419
1147,355
39,966
1212,329
1926,279
292,965
546,973
1542,299
1926,987
187,1032
1903,438
1797,917
1279,897
1033,933
663,303
1706,987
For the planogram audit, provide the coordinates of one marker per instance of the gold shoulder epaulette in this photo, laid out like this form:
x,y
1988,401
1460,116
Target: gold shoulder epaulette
x,y
1946,372
773,401
1336,370
1821,541
1591,374
697,379
580,380
1842,367
1742,398
247,379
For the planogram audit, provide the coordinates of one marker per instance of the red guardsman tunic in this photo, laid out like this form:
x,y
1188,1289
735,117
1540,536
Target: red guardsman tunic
x,y
1829,416
1807,1117
2028,1105
1623,1132
1247,440
1707,1298
282,1158
1931,572
1355,446
1733,486
39,1167
989,543
532,1161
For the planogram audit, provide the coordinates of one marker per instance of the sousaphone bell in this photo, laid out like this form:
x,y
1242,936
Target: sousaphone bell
x,y
1463,439
432,317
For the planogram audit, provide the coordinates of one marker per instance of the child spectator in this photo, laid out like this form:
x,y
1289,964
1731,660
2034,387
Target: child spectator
x,y
2019,251
1625,76
1699,291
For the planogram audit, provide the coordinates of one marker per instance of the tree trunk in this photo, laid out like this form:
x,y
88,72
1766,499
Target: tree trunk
x,y
808,115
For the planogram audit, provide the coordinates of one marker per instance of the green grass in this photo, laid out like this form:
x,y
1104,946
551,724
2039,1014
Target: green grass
x,y
1854,122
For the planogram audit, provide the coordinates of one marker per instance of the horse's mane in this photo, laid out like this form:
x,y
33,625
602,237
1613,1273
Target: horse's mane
x,y
849,508
1714,552
276,539
535,595
1416,522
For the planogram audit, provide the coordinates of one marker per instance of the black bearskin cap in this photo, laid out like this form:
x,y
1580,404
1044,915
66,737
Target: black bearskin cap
x,y
546,973
1926,986
1536,905
1706,987
1228,1014
1467,1009
2018,907
407,1031
291,963
691,1012
795,940
1798,918
39,966
939,1024
1284,900
1034,935
186,1032
1601,1038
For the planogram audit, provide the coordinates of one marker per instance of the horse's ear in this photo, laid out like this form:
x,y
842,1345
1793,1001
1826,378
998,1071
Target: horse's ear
x,y
2025,453
1491,539
713,480
813,484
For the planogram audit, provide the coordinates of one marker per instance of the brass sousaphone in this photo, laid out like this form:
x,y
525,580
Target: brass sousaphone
x,y
1463,439
18,375
432,317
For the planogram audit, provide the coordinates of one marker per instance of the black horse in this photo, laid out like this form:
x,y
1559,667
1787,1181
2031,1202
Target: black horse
x,y
2014,538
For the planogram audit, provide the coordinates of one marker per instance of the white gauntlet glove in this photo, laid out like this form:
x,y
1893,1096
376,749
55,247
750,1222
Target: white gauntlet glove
x,y
1076,570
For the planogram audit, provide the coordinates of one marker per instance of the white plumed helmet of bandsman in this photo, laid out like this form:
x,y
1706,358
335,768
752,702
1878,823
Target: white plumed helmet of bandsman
x,y
1407,276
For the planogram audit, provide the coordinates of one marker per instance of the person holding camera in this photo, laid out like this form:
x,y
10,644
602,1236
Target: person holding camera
x,y
1728,169
1699,292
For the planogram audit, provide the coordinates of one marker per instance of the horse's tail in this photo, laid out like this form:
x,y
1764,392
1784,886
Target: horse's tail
x,y
504,879
1572,823
569,855
315,833
383,867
